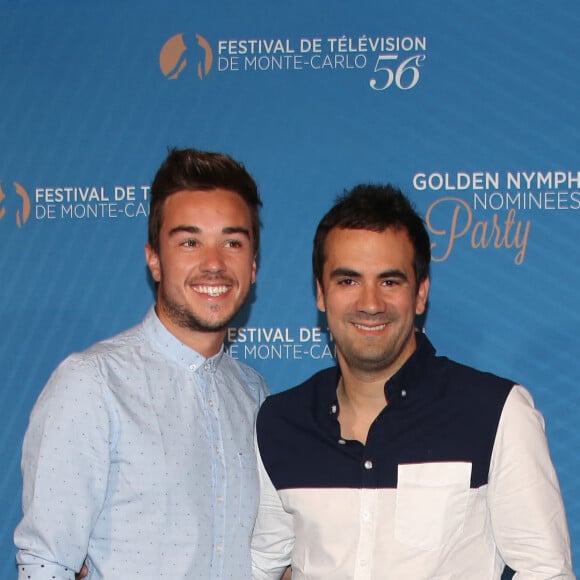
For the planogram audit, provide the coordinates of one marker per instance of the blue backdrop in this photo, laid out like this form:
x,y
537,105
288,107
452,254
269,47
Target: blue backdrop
x,y
471,108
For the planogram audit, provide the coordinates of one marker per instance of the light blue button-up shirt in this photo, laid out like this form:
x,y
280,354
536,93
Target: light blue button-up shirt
x,y
139,457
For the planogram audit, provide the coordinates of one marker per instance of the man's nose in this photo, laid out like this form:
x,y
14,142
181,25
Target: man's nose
x,y
212,260
370,299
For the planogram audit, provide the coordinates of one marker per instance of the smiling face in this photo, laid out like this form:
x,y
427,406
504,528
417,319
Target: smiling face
x,y
370,297
204,266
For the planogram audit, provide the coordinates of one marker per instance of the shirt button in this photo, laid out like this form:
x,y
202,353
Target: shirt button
x,y
191,367
368,464
219,548
365,516
342,441
403,393
333,409
210,403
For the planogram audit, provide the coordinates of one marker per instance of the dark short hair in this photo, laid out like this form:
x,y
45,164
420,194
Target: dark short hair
x,y
376,208
191,169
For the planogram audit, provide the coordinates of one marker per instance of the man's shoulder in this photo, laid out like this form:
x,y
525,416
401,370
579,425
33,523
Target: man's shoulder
x,y
446,375
469,377
121,350
115,345
477,393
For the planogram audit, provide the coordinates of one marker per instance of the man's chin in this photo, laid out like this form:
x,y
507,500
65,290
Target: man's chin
x,y
190,321
209,327
200,324
216,323
201,317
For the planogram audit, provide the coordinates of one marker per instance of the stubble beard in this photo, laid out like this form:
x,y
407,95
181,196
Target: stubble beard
x,y
182,316
359,357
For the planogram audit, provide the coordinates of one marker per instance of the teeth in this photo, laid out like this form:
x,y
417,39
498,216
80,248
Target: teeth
x,y
363,327
211,290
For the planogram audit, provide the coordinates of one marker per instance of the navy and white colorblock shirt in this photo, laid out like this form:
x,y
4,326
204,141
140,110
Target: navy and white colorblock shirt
x,y
455,480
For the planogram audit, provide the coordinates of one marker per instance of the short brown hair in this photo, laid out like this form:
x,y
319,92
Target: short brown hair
x,y
191,169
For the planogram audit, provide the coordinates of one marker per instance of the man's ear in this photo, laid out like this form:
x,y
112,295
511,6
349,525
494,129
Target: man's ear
x,y
422,296
254,270
152,259
320,303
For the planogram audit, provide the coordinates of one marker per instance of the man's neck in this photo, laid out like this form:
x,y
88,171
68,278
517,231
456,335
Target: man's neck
x,y
360,403
206,343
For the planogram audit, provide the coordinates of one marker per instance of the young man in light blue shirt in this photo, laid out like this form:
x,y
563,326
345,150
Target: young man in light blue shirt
x,y
139,455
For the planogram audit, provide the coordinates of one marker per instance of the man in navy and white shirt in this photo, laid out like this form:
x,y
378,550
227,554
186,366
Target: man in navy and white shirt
x,y
399,464
139,457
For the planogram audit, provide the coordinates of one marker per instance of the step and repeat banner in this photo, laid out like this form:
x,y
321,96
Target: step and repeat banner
x,y
470,108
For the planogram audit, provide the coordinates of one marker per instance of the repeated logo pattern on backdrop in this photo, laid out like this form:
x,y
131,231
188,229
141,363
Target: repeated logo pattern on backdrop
x,y
468,107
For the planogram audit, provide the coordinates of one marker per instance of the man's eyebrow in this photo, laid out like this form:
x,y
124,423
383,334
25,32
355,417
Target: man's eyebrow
x,y
349,273
184,228
394,273
197,230
237,230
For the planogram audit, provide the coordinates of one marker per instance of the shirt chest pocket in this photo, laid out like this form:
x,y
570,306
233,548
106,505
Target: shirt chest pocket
x,y
431,503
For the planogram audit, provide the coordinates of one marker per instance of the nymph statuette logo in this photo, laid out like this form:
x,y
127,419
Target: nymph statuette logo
x,y
173,57
22,212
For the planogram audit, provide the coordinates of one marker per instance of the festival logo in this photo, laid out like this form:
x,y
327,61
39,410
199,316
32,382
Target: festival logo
x,y
173,57
387,63
74,202
22,211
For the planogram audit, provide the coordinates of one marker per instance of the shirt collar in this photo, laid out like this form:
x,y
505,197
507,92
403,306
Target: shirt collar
x,y
174,349
413,380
